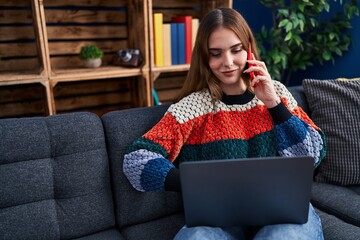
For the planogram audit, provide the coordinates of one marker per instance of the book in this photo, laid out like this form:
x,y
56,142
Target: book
x,y
174,43
156,97
195,26
158,39
167,44
181,43
187,20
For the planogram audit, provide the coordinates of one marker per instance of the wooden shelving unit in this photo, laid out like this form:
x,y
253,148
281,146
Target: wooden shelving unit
x,y
40,43
194,8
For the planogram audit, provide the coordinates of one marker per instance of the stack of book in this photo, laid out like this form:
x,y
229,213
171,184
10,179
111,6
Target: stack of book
x,y
173,41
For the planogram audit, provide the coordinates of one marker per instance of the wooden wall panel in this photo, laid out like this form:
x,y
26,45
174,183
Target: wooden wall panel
x,y
97,96
22,100
168,86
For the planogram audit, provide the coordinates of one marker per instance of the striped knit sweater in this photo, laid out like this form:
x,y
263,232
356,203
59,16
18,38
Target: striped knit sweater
x,y
197,129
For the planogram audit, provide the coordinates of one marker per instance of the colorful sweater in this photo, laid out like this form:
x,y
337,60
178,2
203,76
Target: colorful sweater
x,y
197,129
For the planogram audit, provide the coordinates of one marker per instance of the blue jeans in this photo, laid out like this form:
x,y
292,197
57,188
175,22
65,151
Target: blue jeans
x,y
311,230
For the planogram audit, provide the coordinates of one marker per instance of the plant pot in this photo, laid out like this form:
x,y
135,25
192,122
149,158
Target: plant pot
x,y
92,63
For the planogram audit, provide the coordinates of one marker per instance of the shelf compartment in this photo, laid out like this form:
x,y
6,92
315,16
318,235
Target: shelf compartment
x,y
170,9
25,100
21,58
108,24
99,96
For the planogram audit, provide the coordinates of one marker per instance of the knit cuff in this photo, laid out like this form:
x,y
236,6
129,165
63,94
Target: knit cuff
x,y
172,180
280,113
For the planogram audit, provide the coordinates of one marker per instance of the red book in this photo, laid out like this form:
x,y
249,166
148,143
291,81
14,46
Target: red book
x,y
187,20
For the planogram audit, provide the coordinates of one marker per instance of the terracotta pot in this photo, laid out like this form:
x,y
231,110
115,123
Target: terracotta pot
x,y
93,63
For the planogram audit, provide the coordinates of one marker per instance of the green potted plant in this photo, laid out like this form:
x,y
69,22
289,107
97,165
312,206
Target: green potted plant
x,y
302,34
91,55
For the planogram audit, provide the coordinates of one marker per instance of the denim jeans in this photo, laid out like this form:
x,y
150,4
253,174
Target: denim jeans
x,y
311,230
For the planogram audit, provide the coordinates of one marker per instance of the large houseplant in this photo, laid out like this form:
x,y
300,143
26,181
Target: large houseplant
x,y
304,32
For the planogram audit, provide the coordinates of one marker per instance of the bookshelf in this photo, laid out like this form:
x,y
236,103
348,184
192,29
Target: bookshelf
x,y
41,73
169,10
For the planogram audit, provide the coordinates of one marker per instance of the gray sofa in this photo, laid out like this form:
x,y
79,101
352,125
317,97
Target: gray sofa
x,y
61,178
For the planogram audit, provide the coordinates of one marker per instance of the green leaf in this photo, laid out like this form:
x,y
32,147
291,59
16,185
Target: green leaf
x,y
302,24
326,56
331,36
284,12
313,22
301,7
289,26
338,51
297,39
277,59
288,36
327,7
283,22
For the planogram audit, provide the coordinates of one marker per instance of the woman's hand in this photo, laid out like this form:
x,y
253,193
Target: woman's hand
x,y
263,84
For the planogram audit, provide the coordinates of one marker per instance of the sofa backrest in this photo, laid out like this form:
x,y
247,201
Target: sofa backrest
x,y
133,207
299,95
54,177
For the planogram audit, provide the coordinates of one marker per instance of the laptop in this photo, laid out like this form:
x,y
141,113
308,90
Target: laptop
x,y
247,192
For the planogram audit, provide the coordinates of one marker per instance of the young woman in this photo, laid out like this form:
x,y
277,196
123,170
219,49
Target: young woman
x,y
222,114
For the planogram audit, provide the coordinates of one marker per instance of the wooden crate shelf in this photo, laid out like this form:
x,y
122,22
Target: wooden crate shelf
x,y
169,9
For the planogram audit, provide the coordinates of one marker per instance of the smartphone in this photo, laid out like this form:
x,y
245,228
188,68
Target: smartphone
x,y
250,57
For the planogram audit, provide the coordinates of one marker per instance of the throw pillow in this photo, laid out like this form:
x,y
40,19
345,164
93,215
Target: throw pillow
x,y
335,107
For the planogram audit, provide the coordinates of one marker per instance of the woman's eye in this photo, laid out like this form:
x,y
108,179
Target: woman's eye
x,y
215,54
236,51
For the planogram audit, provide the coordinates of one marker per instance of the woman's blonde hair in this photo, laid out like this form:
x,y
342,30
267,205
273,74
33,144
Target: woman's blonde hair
x,y
200,75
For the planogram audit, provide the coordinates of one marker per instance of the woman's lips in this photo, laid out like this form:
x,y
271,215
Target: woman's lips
x,y
229,72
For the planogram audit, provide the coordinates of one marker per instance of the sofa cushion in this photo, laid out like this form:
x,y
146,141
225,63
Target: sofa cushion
x,y
164,228
134,207
334,107
106,235
336,229
342,202
54,177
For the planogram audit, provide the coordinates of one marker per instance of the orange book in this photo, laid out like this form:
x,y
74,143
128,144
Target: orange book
x,y
195,26
167,44
158,39
187,20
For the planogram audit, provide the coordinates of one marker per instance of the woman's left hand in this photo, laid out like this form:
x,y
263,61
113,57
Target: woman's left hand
x,y
262,83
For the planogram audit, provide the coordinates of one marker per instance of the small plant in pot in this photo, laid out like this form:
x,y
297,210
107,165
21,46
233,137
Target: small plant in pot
x,y
91,55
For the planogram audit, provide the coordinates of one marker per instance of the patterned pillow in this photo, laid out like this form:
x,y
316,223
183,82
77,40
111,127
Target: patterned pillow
x,y
335,107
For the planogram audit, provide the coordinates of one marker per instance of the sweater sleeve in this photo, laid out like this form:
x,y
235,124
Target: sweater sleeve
x,y
149,159
295,133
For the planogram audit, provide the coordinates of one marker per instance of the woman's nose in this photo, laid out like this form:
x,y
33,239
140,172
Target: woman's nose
x,y
228,60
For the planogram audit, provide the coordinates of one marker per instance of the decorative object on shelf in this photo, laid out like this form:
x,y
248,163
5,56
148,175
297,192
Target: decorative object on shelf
x,y
128,58
303,35
91,55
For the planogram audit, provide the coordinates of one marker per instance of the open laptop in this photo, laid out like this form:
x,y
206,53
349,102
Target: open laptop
x,y
247,192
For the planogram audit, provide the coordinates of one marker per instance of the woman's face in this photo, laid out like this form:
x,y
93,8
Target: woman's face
x,y
227,60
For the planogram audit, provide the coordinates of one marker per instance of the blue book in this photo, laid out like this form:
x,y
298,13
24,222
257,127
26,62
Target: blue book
x,y
156,98
174,44
181,42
